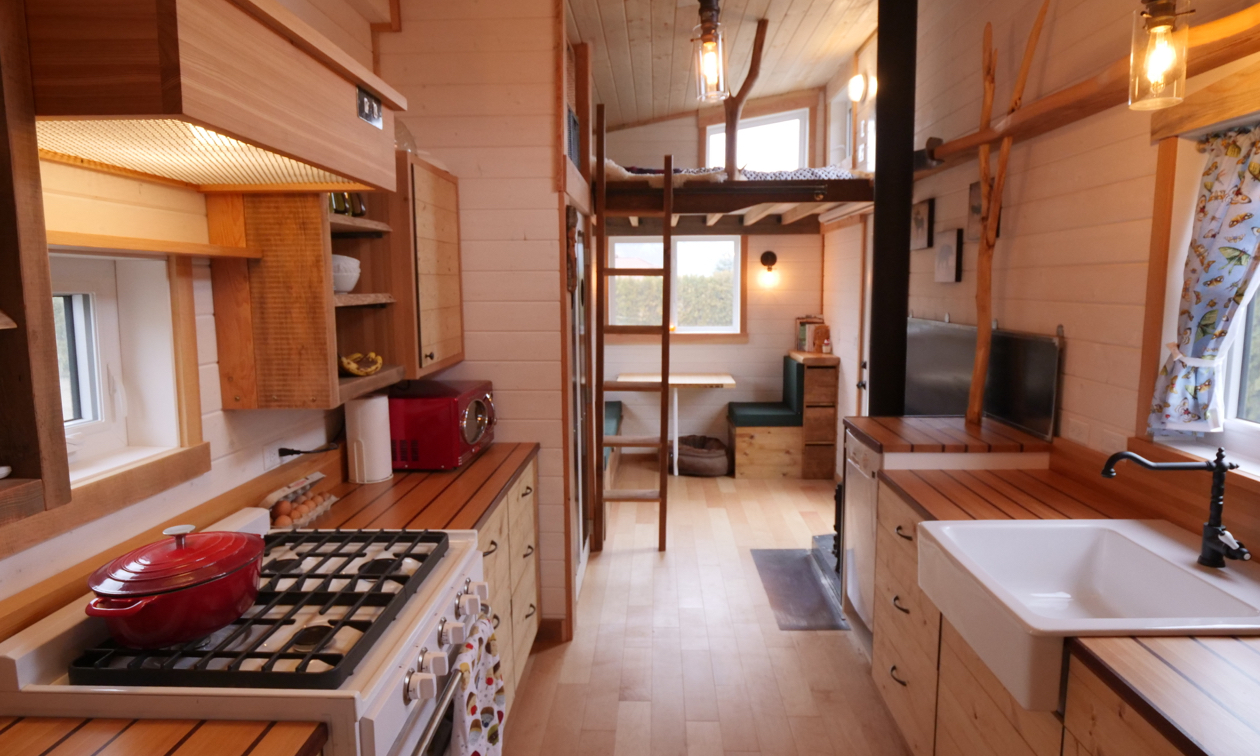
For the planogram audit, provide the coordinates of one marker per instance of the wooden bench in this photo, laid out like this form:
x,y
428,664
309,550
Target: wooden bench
x,y
793,438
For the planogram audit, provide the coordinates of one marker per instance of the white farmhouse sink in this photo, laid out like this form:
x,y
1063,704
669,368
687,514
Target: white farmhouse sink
x,y
1014,589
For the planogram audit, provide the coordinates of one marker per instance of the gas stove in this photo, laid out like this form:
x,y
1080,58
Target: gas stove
x,y
344,625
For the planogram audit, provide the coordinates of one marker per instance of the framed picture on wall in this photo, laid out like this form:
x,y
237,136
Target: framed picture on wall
x,y
949,257
922,216
974,209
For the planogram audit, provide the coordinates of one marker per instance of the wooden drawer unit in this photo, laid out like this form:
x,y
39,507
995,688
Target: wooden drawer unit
x,y
492,538
821,385
906,629
523,528
524,620
893,514
1099,722
820,424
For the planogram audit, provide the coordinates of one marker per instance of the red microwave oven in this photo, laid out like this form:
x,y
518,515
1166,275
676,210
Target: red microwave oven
x,y
440,425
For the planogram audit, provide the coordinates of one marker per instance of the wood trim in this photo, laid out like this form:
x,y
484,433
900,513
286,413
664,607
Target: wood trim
x,y
20,498
187,365
553,630
288,25
116,170
744,247
121,486
1235,97
569,173
1135,700
803,99
29,606
129,246
577,187
233,309
349,186
585,96
1156,277
1211,45
852,220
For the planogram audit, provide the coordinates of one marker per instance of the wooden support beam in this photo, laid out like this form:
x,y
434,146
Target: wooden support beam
x,y
673,219
726,225
712,218
1156,279
1234,100
804,210
1211,45
755,214
634,221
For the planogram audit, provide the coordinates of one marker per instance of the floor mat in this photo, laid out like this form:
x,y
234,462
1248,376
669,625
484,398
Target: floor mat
x,y
797,596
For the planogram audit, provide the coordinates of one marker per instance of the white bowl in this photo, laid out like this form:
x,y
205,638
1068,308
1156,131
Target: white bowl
x,y
345,264
4,471
344,282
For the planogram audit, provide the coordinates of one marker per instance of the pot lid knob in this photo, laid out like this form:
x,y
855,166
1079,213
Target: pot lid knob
x,y
179,531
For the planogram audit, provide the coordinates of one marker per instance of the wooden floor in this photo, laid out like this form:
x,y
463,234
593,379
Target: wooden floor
x,y
679,653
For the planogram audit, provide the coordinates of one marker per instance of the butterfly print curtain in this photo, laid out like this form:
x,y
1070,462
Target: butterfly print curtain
x,y
1218,274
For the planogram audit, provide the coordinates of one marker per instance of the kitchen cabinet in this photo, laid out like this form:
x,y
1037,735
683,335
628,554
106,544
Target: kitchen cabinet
x,y
907,627
1099,722
822,384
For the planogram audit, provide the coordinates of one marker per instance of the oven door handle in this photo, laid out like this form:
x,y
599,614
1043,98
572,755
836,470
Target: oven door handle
x,y
439,712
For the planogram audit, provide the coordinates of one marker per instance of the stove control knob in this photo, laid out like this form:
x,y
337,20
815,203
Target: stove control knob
x,y
481,591
420,686
469,606
453,634
435,662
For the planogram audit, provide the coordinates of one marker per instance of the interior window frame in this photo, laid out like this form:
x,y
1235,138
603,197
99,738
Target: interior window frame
x,y
739,326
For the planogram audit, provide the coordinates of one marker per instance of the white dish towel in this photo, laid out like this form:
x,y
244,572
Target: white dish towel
x,y
480,698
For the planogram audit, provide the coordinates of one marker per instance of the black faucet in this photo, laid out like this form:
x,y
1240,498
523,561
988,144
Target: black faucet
x,y
1218,544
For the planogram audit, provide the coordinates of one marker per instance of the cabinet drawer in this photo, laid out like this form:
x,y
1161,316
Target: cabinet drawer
x,y
820,424
899,520
902,610
492,539
525,617
906,680
523,555
522,498
822,385
501,609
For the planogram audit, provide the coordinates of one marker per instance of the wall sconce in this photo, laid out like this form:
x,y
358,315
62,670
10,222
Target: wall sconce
x,y
1157,61
768,278
710,58
861,87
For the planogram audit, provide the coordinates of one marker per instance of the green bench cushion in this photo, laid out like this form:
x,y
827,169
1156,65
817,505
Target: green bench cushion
x,y
612,424
785,414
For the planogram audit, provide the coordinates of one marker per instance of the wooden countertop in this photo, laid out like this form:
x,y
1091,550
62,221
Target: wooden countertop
x,y
940,434
1203,694
42,736
456,500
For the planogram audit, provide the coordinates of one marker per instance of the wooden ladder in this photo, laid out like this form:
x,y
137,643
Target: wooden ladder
x,y
604,273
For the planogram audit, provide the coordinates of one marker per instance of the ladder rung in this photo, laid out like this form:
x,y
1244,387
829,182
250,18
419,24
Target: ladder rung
x,y
632,494
637,441
632,386
657,272
635,330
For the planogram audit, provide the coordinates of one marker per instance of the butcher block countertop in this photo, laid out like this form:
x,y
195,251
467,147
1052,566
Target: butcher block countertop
x,y
457,500
42,736
891,435
1202,694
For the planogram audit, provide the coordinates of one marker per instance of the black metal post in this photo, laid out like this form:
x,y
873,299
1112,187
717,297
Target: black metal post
x,y
894,188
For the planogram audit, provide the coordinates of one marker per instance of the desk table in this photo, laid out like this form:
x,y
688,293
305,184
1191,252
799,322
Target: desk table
x,y
677,381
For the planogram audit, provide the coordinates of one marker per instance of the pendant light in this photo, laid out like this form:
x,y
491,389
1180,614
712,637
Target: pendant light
x,y
710,58
1157,62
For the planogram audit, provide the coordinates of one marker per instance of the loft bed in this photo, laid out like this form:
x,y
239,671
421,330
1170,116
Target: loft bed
x,y
709,203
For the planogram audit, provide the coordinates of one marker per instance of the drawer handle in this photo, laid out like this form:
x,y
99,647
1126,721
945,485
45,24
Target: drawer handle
x,y
892,672
496,622
897,530
528,490
529,552
431,356
533,609
896,602
494,546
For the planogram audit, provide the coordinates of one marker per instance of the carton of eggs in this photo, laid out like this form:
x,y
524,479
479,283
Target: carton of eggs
x,y
296,506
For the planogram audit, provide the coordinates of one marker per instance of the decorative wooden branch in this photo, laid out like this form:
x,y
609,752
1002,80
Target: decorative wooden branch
x,y
735,105
991,207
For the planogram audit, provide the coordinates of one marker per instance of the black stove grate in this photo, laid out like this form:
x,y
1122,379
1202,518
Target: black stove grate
x,y
220,660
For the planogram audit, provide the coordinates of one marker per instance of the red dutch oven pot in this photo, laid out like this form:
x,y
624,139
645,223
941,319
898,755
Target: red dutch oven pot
x,y
179,589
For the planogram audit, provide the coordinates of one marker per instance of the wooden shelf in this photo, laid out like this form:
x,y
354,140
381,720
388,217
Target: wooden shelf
x,y
357,386
362,300
6,321
20,497
348,224
127,246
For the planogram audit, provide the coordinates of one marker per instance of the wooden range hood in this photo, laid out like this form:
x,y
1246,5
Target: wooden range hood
x,y
219,95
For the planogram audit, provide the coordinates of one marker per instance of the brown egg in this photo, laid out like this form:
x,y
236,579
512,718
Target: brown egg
x,y
282,508
283,521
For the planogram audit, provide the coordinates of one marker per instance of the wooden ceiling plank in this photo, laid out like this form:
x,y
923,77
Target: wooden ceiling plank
x,y
682,87
834,37
591,31
663,61
612,15
639,33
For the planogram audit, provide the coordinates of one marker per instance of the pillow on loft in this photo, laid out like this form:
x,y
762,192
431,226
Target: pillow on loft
x,y
655,177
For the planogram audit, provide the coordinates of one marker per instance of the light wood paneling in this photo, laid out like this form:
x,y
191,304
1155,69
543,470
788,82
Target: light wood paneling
x,y
126,246
642,67
1099,721
768,452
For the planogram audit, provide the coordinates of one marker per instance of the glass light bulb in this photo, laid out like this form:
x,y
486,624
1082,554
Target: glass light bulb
x,y
709,65
768,279
857,88
1161,56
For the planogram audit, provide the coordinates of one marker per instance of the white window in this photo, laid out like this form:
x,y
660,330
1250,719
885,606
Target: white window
x,y
778,142
839,129
705,281
115,354
1242,387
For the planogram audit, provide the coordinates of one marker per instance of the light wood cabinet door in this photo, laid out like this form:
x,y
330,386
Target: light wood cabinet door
x,y
435,201
1100,722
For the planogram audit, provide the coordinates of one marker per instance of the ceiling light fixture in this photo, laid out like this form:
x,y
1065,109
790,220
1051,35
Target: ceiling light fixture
x,y
710,58
1157,61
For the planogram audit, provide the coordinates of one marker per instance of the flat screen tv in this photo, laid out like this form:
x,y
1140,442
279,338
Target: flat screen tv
x,y
1022,389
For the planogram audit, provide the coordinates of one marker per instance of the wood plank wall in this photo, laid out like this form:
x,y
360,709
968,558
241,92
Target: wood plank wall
x,y
1075,226
646,145
481,82
90,202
